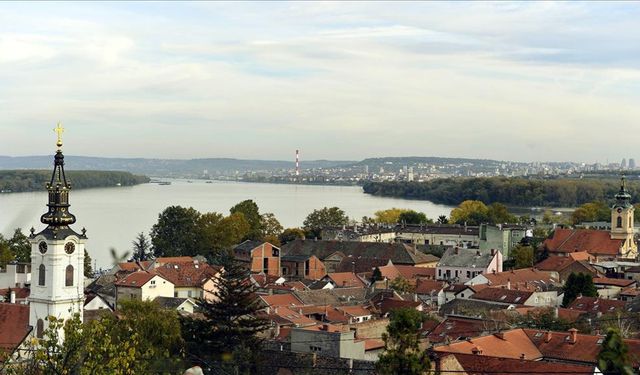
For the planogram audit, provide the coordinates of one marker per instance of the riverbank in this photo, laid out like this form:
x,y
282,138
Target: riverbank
x,y
22,181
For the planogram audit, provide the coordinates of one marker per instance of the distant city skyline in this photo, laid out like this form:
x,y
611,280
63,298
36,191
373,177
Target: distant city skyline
x,y
516,81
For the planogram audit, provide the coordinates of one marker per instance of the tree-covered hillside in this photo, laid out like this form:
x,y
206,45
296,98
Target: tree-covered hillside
x,y
34,180
509,191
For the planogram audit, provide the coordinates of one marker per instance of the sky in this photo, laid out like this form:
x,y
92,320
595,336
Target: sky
x,y
523,81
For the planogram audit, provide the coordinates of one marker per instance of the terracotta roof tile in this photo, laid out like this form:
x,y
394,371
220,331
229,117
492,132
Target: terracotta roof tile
x,y
508,344
187,274
595,305
478,365
458,328
502,295
14,326
529,275
595,242
136,279
278,300
346,280
429,287
622,283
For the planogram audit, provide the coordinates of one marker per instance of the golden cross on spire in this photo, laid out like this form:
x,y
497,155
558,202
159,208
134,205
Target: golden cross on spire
x,y
59,130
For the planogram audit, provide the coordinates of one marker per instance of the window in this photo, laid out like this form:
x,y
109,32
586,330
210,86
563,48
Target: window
x,y
314,348
41,274
468,274
175,294
265,265
275,252
439,273
619,222
153,282
306,267
68,276
40,328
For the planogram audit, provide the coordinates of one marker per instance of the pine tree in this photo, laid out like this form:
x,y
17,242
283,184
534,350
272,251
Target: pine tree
x,y
229,332
578,284
402,353
141,248
614,355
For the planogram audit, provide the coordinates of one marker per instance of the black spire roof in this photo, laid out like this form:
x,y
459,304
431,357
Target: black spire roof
x,y
58,218
623,198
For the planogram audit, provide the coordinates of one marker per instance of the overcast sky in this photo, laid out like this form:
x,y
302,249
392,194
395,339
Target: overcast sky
x,y
513,81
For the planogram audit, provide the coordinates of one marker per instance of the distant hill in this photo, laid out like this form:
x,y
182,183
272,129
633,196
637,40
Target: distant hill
x,y
433,160
164,167
34,180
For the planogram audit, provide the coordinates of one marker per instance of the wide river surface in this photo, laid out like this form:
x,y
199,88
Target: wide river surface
x,y
114,216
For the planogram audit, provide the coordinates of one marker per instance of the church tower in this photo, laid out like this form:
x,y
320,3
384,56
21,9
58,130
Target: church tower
x,y
622,223
57,255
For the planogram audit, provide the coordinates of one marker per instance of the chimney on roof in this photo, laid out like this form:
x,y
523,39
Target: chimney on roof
x,y
547,336
523,357
499,335
556,312
325,327
455,250
509,284
477,350
12,297
493,252
574,335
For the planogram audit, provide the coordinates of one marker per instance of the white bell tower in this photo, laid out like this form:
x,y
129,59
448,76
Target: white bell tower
x,y
57,256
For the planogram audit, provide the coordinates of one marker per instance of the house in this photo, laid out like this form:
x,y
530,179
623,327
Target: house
x,y
513,344
458,327
333,297
259,257
449,293
428,291
438,234
461,265
327,340
303,267
15,275
565,266
344,280
597,306
142,285
632,273
181,304
392,271
598,243
610,288
524,278
191,280
332,253
280,300
501,237
474,364
94,301
515,297
355,314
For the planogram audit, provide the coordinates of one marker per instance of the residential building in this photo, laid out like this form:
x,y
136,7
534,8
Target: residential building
x,y
562,267
145,286
259,257
523,279
502,237
302,267
344,280
191,280
15,275
515,298
186,305
611,288
327,340
461,265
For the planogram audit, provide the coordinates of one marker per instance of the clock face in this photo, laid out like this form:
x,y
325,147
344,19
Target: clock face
x,y
42,246
69,247
619,209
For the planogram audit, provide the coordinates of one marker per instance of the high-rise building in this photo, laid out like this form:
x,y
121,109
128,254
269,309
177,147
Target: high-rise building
x,y
632,163
623,164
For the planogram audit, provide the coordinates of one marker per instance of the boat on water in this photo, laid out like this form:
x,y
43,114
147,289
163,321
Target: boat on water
x,y
209,182
164,183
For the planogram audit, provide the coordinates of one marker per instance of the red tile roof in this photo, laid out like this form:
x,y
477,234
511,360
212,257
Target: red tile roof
x,y
187,274
622,283
389,304
559,346
457,328
135,279
502,295
277,300
21,293
346,280
134,266
372,344
355,311
595,305
292,316
14,326
429,287
520,276
508,344
413,272
555,263
595,242
480,365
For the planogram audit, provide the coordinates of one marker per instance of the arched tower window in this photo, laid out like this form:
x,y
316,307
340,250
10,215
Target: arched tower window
x,y
619,222
39,328
41,274
68,276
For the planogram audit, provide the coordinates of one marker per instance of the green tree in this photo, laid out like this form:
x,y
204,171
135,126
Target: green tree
x,y
390,216
470,212
220,233
594,211
176,233
498,213
271,227
291,234
578,284
141,249
6,255
20,246
522,256
229,332
88,270
402,353
324,217
251,213
401,285
413,217
442,219
614,355
543,320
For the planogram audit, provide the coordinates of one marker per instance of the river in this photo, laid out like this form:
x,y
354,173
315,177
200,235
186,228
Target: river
x,y
114,216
